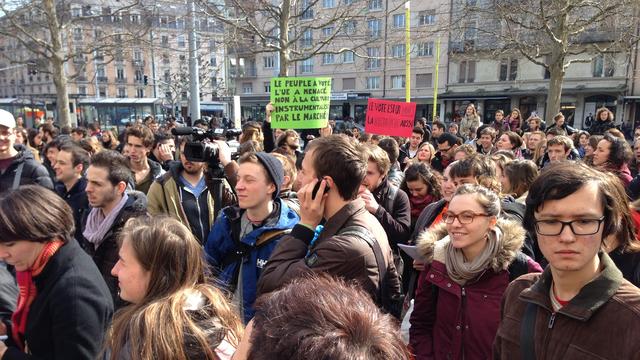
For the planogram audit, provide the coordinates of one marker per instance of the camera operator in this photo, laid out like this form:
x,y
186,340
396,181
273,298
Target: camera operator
x,y
183,193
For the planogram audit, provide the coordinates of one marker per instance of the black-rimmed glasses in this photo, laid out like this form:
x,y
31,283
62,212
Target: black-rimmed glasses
x,y
578,227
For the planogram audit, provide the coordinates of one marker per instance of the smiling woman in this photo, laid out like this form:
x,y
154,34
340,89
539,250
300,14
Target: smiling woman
x,y
64,305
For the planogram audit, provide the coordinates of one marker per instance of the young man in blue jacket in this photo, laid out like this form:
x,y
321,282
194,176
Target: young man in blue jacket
x,y
243,237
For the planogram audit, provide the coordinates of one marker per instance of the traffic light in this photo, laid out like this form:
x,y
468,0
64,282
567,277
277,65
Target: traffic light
x,y
146,80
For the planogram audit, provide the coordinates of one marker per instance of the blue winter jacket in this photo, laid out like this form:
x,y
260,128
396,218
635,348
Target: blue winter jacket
x,y
221,246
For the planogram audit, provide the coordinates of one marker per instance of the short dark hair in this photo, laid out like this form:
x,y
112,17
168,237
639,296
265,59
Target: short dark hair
x,y
448,138
561,179
421,171
50,129
619,152
439,124
160,138
390,145
116,164
521,174
34,213
418,130
78,155
141,132
318,317
343,161
561,140
80,130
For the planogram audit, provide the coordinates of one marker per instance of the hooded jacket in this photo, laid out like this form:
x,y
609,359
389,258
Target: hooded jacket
x,y
32,171
106,255
221,246
450,321
601,322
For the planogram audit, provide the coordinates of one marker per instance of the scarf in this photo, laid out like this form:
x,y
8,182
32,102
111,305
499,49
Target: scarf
x,y
98,225
28,291
460,270
419,203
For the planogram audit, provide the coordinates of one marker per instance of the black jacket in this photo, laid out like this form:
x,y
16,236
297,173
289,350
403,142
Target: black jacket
x,y
396,220
32,171
77,199
106,255
599,127
628,263
71,312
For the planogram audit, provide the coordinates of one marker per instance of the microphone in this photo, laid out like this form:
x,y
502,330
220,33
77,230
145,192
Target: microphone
x,y
183,130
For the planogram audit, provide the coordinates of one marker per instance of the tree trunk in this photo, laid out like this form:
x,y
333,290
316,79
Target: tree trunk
x,y
285,15
554,94
57,64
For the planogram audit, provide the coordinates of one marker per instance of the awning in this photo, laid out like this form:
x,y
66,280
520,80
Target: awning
x,y
212,107
119,101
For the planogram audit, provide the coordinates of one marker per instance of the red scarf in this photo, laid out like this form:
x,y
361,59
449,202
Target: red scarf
x,y
418,204
28,291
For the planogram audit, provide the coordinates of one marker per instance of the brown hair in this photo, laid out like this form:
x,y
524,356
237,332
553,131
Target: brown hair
x,y
343,161
604,109
514,139
375,154
141,132
561,140
288,165
161,326
116,165
421,171
318,317
19,207
521,174
251,131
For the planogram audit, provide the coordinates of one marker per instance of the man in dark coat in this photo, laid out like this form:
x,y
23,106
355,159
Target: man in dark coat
x,y
71,163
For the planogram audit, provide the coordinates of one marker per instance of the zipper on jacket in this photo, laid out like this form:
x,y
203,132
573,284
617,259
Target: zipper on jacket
x,y
463,294
552,320
200,220
547,334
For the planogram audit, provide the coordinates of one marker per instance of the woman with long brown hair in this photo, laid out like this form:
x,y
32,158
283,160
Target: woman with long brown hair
x,y
109,140
174,312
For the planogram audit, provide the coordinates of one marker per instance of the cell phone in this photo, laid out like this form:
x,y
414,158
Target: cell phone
x,y
317,187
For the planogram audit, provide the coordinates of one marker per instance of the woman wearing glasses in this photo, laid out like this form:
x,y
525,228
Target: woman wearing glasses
x,y
471,259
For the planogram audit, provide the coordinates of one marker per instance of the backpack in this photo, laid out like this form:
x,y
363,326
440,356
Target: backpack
x,y
385,297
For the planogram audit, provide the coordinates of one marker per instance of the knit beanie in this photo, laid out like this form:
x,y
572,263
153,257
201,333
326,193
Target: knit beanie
x,y
274,169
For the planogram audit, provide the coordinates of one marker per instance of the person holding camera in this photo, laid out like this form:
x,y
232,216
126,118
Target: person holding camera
x,y
243,236
183,193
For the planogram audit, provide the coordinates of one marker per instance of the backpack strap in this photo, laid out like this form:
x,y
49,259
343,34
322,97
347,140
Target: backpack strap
x,y
364,234
18,176
527,332
267,236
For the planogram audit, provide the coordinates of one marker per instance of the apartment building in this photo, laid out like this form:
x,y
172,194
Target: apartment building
x,y
374,65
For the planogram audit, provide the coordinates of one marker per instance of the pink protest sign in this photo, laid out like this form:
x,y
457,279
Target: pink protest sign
x,y
393,118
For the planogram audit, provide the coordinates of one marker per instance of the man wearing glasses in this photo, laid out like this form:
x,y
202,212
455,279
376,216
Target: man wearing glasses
x,y
447,145
580,306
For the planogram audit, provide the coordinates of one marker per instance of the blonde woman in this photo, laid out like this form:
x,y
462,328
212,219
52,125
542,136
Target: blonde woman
x,y
470,119
426,153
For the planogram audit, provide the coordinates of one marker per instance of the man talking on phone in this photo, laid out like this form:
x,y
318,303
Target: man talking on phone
x,y
351,244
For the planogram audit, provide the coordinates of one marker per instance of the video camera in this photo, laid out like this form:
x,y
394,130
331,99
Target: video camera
x,y
203,148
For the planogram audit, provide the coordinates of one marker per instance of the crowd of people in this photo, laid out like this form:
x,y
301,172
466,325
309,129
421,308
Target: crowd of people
x,y
505,239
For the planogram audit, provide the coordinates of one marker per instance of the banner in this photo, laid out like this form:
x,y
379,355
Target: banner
x,y
392,118
300,103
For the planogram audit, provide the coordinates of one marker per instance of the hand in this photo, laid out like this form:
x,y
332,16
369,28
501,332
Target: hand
x,y
242,351
310,137
406,160
224,152
370,202
324,132
165,153
269,109
418,265
312,210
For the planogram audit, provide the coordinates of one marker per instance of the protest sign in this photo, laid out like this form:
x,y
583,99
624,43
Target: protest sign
x,y
392,118
300,103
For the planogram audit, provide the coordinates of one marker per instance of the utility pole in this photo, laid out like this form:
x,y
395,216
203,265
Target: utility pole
x,y
194,79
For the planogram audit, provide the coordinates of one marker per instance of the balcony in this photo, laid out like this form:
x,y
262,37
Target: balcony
x,y
102,79
81,78
121,80
137,63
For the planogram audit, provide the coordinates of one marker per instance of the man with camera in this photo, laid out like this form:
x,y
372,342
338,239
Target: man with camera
x,y
352,244
183,193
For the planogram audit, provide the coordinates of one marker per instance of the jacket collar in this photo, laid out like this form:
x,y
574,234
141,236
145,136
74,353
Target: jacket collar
x,y
77,188
339,219
590,298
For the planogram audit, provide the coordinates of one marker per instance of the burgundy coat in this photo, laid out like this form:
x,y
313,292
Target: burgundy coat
x,y
461,322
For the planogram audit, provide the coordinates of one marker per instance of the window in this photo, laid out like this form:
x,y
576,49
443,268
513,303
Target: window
x,y
180,24
122,92
467,71
267,87
425,49
102,91
349,27
77,33
348,2
603,66
373,62
135,18
398,21
328,59
347,57
76,12
307,38
349,84
398,50
375,28
140,93
100,71
167,76
165,59
397,81
327,31
82,90
164,40
120,73
137,55
247,88
307,10
181,41
373,82
427,17
306,66
508,69
470,34
269,62
138,75
424,80
375,4
327,4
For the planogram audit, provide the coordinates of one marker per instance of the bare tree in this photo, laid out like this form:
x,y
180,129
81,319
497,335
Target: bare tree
x,y
551,33
44,30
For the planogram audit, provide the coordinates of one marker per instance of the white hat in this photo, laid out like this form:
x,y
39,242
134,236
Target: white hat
x,y
6,119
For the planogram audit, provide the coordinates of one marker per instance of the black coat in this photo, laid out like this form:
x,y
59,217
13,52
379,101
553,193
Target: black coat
x,y
71,312
106,255
77,199
32,171
395,219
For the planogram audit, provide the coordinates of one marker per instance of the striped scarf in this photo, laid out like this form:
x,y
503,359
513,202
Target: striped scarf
x,y
28,291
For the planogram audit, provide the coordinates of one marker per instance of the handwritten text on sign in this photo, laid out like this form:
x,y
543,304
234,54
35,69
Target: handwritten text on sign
x,y
300,103
391,118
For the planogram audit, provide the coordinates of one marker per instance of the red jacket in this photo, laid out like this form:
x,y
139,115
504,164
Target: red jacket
x,y
464,322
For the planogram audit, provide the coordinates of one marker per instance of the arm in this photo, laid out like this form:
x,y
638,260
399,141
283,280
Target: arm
x,y
156,200
423,318
396,225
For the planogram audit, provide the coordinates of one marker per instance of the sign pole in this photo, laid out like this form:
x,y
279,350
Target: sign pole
x,y
435,85
407,22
